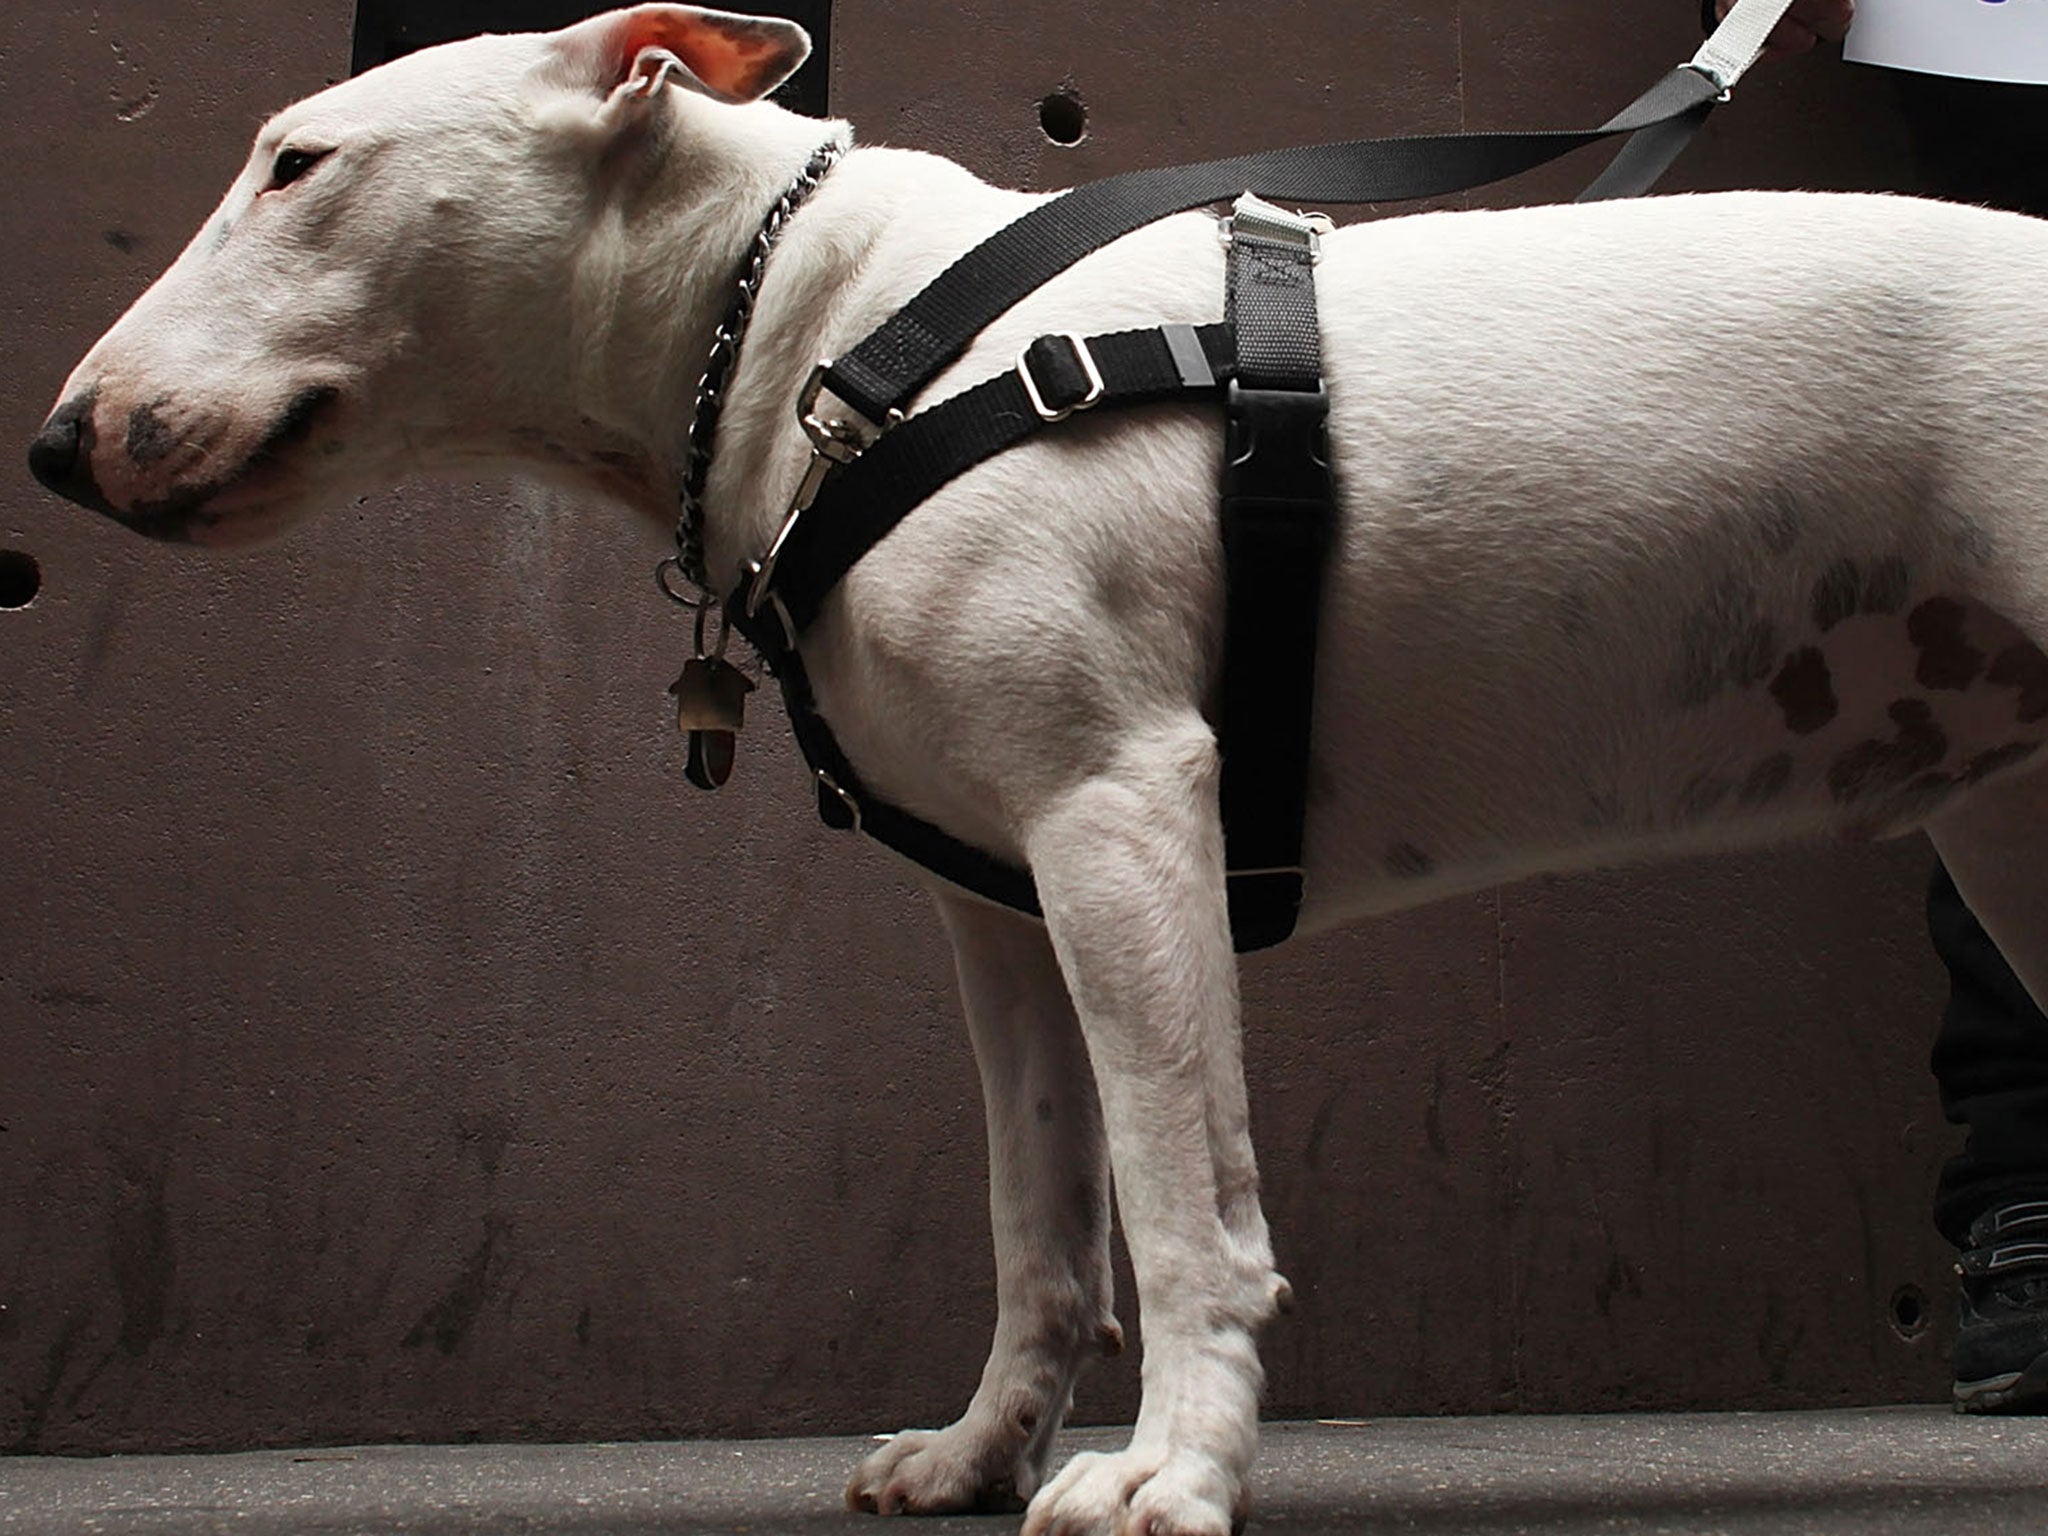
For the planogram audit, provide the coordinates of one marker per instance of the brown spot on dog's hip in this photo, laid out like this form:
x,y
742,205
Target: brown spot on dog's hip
x,y
2022,666
1947,659
1805,691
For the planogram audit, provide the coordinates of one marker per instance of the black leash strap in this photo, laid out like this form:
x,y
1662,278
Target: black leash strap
x,y
888,368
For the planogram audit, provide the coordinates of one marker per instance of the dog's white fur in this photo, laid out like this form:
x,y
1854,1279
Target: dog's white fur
x,y
1601,468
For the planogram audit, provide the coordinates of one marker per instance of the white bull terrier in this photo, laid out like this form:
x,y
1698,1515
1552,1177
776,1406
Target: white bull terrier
x,y
1667,525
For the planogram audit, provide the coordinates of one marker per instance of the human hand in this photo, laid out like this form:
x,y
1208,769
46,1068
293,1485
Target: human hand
x,y
1808,22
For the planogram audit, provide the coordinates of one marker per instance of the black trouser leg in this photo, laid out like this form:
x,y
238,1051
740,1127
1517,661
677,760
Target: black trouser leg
x,y
1991,1061
1979,143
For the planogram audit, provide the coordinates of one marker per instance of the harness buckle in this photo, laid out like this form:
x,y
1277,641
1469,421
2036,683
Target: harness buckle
x,y
834,441
1085,365
1254,216
1276,449
838,439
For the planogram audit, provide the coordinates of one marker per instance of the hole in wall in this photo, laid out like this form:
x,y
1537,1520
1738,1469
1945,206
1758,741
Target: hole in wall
x,y
1909,1312
20,578
1064,116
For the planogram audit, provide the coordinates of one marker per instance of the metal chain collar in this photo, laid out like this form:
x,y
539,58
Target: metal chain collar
x,y
688,560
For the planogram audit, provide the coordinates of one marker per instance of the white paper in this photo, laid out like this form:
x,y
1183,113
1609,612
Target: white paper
x,y
1976,39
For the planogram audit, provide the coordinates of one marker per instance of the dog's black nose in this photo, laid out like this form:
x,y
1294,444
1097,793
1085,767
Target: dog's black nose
x,y
60,456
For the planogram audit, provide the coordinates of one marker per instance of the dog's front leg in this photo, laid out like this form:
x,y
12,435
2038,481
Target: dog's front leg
x,y
1049,1211
1130,868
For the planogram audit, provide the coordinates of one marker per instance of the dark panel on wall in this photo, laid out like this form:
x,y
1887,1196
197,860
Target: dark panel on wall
x,y
387,29
390,1048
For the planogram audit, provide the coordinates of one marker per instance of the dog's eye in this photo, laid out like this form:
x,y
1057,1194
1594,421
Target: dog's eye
x,y
291,164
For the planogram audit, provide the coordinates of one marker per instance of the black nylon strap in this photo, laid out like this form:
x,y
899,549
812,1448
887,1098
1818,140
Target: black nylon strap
x,y
1647,156
1278,512
1271,306
845,804
862,501
883,372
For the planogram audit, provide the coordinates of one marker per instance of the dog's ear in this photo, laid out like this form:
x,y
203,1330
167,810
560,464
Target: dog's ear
x,y
631,54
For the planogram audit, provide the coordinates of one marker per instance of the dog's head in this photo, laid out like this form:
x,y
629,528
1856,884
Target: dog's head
x,y
410,267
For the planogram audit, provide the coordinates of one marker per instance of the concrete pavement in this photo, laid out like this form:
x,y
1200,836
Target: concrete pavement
x,y
1887,1471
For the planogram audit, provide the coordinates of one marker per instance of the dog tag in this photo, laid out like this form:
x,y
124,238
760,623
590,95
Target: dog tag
x,y
711,705
711,695
709,763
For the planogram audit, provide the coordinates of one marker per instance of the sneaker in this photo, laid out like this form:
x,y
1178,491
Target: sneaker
x,y
2001,1362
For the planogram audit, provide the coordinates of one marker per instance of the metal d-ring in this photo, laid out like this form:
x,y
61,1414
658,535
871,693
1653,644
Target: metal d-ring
x,y
704,611
693,596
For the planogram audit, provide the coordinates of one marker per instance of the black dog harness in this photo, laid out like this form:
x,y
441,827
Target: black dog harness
x,y
1263,363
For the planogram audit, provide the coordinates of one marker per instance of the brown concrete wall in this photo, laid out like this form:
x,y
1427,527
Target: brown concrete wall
x,y
391,1047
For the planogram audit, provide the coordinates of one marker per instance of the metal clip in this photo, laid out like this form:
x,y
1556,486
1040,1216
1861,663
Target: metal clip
x,y
833,442
1714,76
762,571
1268,221
836,438
757,573
1089,371
813,482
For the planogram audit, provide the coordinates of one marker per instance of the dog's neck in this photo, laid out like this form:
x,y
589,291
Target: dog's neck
x,y
655,277
653,282
882,224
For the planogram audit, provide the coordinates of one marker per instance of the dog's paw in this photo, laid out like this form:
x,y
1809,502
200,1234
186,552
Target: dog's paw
x,y
1138,1493
944,1472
